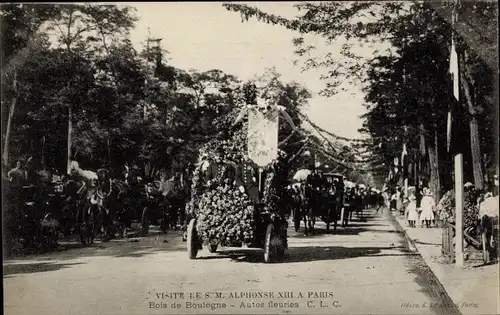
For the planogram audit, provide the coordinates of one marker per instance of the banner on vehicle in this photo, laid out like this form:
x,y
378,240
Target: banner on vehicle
x,y
262,135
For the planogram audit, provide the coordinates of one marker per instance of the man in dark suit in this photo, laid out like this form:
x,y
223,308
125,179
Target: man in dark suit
x,y
248,177
215,172
314,186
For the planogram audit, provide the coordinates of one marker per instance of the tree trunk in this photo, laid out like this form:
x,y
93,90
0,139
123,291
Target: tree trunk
x,y
108,144
43,153
476,153
434,183
70,131
9,120
473,125
437,190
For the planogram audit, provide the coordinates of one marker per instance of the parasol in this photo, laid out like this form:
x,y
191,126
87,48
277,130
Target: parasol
x,y
349,184
301,175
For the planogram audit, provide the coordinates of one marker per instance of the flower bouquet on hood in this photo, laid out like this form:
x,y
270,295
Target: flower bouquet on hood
x,y
225,216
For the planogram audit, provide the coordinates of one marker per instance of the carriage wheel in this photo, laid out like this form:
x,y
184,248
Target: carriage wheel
x,y
327,221
107,231
192,239
145,222
86,235
49,235
122,232
53,237
212,247
274,248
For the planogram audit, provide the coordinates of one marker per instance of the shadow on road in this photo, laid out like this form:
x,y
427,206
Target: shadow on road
x,y
238,255
311,253
365,224
349,230
138,247
14,269
316,253
128,247
322,231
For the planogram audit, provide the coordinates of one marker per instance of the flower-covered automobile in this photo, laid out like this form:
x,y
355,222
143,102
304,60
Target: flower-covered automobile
x,y
231,203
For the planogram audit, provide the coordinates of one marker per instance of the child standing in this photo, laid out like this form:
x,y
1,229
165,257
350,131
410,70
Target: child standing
x,y
428,205
411,211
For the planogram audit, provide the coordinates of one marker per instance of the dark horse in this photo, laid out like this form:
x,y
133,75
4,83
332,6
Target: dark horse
x,y
311,205
175,201
331,201
350,206
299,205
111,199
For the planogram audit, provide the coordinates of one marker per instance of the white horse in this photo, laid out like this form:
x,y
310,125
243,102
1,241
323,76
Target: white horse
x,y
86,175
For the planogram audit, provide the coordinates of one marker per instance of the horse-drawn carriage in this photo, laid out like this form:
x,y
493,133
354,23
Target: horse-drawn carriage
x,y
28,219
122,204
317,196
94,204
30,211
335,199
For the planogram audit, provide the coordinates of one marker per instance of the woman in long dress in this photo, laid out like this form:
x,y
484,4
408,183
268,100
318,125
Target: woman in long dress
x,y
412,212
393,203
399,200
427,205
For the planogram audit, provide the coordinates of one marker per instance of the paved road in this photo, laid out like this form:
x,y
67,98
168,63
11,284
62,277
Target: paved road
x,y
363,269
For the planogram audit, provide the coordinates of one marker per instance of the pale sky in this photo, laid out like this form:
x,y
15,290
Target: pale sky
x,y
206,36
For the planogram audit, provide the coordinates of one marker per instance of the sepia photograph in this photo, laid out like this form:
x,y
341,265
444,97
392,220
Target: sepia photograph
x,y
268,157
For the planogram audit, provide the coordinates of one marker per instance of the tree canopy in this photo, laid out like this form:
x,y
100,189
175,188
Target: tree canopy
x,y
127,105
407,86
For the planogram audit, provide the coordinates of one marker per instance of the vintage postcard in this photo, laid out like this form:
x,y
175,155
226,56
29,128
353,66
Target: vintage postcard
x,y
334,157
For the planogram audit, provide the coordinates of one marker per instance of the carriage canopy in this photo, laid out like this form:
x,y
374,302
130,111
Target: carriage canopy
x,y
301,175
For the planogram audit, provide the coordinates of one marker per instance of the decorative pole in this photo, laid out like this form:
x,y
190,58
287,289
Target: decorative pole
x,y
404,156
459,185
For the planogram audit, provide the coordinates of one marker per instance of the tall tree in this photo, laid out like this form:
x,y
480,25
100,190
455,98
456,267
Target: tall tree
x,y
390,22
77,26
20,35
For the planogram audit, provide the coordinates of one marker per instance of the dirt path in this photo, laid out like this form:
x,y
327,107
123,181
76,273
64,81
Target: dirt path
x,y
363,269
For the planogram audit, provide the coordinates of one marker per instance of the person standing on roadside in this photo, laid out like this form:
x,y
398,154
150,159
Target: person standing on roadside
x,y
411,211
16,175
381,201
393,203
428,206
387,199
